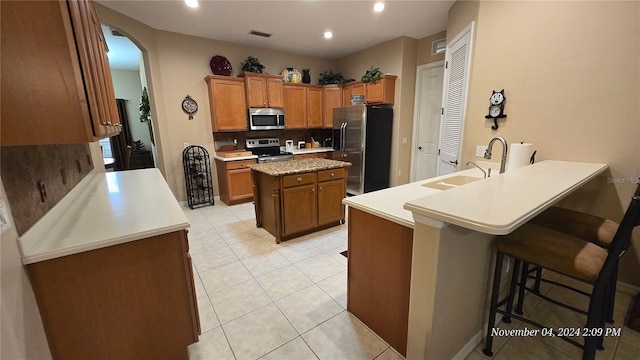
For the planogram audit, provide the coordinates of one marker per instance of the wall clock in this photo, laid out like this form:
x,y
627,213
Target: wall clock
x,y
496,107
189,106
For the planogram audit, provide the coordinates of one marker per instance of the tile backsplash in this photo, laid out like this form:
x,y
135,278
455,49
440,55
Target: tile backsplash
x,y
226,138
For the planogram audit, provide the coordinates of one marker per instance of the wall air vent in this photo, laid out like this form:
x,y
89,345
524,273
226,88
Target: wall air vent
x,y
259,33
117,33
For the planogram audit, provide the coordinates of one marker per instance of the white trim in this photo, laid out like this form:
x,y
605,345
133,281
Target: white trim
x,y
416,107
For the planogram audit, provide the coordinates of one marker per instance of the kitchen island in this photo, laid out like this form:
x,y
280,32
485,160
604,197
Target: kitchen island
x,y
451,254
109,265
296,197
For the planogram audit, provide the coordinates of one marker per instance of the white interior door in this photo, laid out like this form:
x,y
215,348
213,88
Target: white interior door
x,y
429,83
456,80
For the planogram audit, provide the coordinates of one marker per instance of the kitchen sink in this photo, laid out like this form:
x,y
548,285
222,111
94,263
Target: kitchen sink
x,y
451,182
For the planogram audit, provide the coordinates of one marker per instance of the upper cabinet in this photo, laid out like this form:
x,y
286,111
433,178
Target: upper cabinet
x,y
56,85
263,90
295,106
227,103
331,98
314,106
382,91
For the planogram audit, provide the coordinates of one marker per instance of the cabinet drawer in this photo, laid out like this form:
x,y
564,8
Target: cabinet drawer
x,y
234,165
332,174
298,179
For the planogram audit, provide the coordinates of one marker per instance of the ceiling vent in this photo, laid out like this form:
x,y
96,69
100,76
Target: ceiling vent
x,y
259,33
117,33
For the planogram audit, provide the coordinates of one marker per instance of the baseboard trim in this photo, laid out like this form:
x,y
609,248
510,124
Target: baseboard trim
x,y
627,288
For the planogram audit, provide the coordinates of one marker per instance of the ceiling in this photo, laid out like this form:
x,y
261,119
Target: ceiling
x,y
296,26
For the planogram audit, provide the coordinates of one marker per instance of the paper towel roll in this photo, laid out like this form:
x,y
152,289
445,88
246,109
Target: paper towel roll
x,y
519,155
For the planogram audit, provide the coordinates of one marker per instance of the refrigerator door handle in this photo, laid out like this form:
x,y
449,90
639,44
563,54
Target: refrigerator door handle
x,y
343,132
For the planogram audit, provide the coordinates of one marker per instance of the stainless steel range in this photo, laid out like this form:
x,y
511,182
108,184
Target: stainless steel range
x,y
268,150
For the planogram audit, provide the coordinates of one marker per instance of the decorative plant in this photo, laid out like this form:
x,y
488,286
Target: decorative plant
x,y
145,109
252,64
329,77
372,75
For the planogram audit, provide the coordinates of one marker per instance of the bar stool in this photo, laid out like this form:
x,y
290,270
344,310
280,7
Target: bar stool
x,y
569,256
591,228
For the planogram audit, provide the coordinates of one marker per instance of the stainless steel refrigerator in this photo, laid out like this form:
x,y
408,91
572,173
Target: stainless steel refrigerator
x,y
362,136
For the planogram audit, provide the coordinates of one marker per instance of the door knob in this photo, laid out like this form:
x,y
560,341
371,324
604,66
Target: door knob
x,y
419,147
454,162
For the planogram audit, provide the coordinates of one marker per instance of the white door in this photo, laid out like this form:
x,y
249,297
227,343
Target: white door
x,y
456,80
427,115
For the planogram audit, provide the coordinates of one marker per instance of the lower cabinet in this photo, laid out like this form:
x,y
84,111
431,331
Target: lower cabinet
x,y
234,181
291,205
134,300
319,155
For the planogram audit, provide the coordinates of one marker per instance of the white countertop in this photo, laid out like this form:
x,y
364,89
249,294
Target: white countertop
x,y
105,209
500,204
389,203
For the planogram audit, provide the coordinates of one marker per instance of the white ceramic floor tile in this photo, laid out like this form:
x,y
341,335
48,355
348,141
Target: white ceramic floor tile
x,y
264,263
344,337
336,254
200,291
258,333
320,267
213,258
389,354
208,318
295,349
201,230
283,282
224,276
238,300
336,287
529,348
251,246
212,345
205,243
308,308
326,242
297,250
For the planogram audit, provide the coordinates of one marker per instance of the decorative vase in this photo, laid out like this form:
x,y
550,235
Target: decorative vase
x,y
306,79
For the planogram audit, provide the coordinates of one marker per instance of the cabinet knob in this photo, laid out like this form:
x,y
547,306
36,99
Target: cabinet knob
x,y
299,179
320,188
313,190
332,174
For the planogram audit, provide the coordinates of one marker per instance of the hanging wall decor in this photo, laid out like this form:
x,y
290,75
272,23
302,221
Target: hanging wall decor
x,y
189,106
496,107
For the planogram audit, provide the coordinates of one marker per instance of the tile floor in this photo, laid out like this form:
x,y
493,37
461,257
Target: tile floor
x,y
262,300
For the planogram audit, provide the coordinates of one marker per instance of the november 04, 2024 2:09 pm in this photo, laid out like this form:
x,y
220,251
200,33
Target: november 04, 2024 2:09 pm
x,y
560,332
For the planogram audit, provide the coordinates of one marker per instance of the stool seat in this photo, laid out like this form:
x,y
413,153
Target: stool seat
x,y
554,250
591,228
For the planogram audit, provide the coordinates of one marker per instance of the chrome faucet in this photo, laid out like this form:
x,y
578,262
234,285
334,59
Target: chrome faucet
x,y
487,153
481,169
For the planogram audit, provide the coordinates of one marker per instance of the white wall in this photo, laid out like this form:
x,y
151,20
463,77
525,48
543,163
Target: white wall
x,y
21,331
126,84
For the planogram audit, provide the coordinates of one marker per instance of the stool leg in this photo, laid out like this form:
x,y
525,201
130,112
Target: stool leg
x,y
523,284
536,285
512,291
611,299
494,304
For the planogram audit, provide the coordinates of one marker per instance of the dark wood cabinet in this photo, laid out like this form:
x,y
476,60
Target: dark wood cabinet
x,y
331,190
57,47
299,208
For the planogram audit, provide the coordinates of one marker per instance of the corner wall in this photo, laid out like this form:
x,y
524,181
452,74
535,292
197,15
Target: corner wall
x,y
571,74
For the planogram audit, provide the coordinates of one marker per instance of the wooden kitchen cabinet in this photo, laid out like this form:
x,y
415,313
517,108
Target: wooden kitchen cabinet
x,y
264,90
67,100
234,181
227,103
382,91
134,300
331,191
299,208
314,106
353,88
295,106
331,98
318,155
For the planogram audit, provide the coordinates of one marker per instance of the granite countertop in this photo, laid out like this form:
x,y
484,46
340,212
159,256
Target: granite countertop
x,y
297,166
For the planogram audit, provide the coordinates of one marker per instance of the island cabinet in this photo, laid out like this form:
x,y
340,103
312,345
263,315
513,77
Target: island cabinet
x,y
263,90
318,155
296,197
234,181
379,295
227,103
58,49
131,300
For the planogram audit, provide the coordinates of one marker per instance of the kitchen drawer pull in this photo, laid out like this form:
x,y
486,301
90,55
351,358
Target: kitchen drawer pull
x,y
299,179
313,190
333,175
320,188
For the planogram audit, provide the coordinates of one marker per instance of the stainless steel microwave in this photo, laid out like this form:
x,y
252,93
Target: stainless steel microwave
x,y
266,119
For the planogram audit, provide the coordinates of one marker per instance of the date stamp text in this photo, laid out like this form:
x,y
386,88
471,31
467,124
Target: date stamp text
x,y
553,332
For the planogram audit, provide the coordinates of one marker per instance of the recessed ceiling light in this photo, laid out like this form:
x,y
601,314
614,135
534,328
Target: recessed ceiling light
x,y
328,34
191,3
378,7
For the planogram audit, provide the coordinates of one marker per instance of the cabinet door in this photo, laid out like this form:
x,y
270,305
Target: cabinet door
x,y
275,92
346,95
358,88
299,208
295,106
240,184
381,91
314,107
256,91
227,103
330,195
331,98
